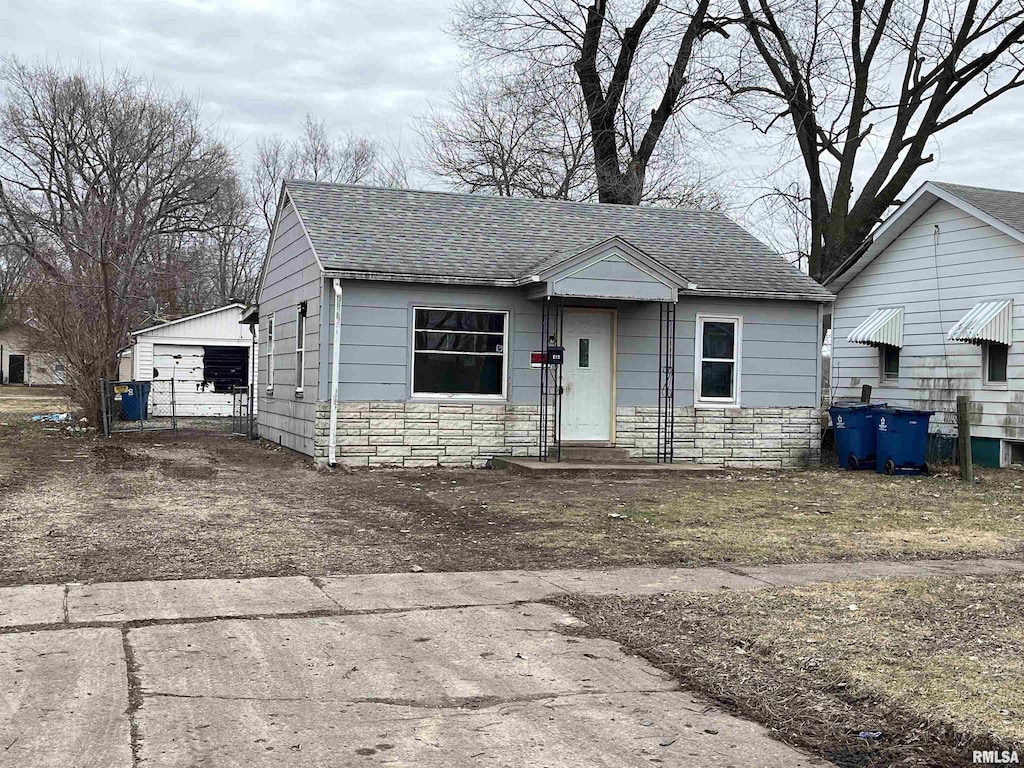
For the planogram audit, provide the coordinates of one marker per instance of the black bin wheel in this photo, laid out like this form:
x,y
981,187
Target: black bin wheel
x,y
851,462
925,469
890,467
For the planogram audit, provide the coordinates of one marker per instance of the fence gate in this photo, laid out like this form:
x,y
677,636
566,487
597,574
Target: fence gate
x,y
242,412
138,406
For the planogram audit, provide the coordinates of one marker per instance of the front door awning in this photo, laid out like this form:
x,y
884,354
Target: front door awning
x,y
883,327
987,321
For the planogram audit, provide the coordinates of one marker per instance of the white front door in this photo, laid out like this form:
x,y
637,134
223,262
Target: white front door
x,y
587,374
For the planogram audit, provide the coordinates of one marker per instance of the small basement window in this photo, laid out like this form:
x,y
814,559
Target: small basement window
x,y
995,359
226,367
889,363
459,353
1017,453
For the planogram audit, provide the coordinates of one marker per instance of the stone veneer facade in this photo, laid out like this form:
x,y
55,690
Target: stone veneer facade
x,y
470,434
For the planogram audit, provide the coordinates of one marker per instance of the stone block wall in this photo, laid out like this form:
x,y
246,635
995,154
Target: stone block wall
x,y
470,434
426,434
774,438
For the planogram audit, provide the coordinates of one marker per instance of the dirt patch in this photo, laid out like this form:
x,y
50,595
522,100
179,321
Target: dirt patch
x,y
204,503
111,457
878,673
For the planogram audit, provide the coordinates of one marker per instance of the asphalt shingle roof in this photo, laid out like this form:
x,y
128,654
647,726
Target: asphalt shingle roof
x,y
1002,204
458,237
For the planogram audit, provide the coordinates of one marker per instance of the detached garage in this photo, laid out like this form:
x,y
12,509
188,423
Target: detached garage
x,y
207,355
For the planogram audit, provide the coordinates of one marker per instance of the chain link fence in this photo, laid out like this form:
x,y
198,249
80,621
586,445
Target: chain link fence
x,y
138,406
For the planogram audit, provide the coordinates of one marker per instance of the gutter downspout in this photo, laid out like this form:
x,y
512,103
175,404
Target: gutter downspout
x,y
332,444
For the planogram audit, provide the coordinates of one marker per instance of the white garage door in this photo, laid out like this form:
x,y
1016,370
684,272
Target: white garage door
x,y
193,396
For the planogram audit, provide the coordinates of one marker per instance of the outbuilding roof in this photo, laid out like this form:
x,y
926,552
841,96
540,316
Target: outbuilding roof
x,y
391,234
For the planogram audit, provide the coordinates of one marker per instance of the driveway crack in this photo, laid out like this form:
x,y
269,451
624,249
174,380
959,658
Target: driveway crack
x,y
134,697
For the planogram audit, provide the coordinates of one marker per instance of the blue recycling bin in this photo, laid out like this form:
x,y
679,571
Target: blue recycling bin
x,y
854,426
902,441
135,402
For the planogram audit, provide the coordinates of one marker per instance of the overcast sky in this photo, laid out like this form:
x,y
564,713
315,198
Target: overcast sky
x,y
368,66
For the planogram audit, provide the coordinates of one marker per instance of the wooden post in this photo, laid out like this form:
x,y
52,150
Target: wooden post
x,y
963,425
865,393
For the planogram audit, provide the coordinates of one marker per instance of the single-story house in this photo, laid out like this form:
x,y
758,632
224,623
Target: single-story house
x,y
207,355
424,328
24,358
932,307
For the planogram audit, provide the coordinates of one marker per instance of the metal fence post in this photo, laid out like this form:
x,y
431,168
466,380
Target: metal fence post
x,y
174,408
103,407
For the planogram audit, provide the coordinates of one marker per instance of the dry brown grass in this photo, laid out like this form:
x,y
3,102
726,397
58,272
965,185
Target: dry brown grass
x,y
203,503
935,665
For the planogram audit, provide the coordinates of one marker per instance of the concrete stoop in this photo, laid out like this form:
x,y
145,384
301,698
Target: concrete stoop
x,y
581,466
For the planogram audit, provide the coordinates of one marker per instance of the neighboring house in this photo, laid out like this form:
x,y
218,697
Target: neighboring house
x,y
24,359
418,316
207,355
933,307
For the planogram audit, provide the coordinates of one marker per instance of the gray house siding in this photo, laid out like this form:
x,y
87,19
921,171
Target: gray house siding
x,y
779,352
937,276
292,275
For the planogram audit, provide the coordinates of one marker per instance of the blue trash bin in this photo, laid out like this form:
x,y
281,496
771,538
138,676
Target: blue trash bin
x,y
902,441
135,402
854,426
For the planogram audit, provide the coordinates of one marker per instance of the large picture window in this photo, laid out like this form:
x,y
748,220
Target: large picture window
x,y
718,361
459,353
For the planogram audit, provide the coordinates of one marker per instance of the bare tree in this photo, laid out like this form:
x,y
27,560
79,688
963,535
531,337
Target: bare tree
x,y
315,155
522,136
96,170
862,88
14,261
528,135
633,62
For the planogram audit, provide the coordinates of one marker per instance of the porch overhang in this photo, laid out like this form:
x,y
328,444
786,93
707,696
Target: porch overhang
x,y
614,269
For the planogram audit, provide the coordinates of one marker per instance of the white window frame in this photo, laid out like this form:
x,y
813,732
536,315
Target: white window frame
x,y
271,333
986,348
413,394
883,379
699,360
300,348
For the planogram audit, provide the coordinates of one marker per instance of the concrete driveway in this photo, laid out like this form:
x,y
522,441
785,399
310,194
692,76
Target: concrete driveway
x,y
393,669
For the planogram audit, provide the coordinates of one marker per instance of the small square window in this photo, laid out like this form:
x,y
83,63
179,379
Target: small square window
x,y
996,358
890,363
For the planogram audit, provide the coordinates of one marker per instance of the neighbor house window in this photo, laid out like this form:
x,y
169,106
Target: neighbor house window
x,y
718,360
300,347
995,358
889,363
270,353
459,353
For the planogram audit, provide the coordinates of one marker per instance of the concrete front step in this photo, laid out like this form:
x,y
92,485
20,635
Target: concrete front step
x,y
606,454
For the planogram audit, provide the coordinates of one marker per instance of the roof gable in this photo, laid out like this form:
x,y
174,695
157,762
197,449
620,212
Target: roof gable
x,y
613,269
439,237
204,324
1001,209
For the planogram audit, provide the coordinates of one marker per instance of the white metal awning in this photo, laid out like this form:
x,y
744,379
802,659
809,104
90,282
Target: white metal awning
x,y
885,326
988,321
